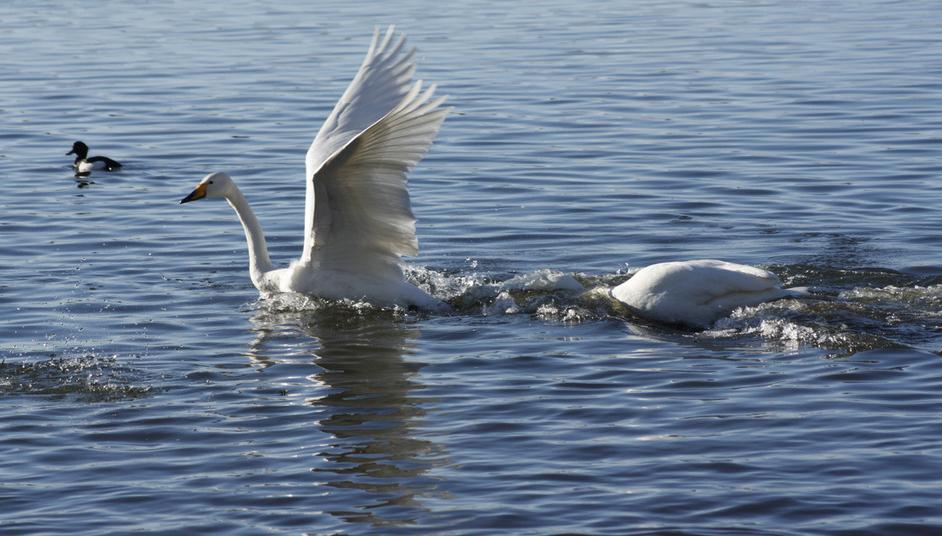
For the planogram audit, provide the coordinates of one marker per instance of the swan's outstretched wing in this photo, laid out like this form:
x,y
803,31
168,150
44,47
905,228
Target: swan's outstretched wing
x,y
357,213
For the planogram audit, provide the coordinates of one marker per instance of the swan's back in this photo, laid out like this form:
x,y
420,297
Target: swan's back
x,y
696,293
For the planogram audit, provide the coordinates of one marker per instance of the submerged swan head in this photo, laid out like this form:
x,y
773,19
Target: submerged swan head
x,y
214,185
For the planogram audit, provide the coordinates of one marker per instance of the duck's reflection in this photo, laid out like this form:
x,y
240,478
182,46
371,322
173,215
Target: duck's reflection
x,y
364,392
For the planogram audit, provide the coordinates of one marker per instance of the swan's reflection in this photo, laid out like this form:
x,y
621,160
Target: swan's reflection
x,y
364,391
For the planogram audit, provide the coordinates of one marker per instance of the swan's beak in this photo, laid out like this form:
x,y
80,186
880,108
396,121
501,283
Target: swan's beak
x,y
70,152
198,193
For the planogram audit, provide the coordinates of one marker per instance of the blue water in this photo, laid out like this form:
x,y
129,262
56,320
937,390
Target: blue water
x,y
144,386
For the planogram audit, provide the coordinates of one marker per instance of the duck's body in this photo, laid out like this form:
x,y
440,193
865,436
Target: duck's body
x,y
358,219
84,164
697,293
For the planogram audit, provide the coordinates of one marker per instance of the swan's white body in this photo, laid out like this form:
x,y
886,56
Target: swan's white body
x,y
358,218
697,293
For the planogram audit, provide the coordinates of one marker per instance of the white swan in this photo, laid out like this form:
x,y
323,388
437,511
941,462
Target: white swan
x,y
697,293
357,216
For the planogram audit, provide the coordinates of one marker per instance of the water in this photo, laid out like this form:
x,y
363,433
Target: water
x,y
145,387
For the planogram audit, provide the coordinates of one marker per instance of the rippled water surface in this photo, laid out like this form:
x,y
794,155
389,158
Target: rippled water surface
x,y
144,386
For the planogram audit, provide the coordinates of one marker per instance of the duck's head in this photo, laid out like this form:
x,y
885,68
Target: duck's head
x,y
216,184
79,149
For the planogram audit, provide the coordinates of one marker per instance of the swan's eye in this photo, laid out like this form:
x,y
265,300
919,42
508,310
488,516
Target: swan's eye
x,y
210,182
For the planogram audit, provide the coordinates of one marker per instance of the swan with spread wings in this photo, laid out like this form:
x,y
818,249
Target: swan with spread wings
x,y
358,219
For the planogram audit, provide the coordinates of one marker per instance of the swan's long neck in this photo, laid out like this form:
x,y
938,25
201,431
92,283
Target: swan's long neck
x,y
259,263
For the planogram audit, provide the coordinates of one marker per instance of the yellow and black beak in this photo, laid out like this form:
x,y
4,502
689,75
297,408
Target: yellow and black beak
x,y
198,193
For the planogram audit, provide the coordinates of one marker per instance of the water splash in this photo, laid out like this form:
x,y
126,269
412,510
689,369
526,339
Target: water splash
x,y
924,299
848,311
87,378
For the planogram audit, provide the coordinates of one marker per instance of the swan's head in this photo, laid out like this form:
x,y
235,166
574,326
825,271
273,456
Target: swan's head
x,y
216,184
79,149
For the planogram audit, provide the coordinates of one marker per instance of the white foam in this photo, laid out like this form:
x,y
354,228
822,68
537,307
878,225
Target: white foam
x,y
443,285
544,279
503,304
930,296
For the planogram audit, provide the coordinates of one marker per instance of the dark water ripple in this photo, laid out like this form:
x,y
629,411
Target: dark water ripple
x,y
145,388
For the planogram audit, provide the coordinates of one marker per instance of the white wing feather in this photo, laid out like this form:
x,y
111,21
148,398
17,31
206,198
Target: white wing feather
x,y
358,215
383,80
